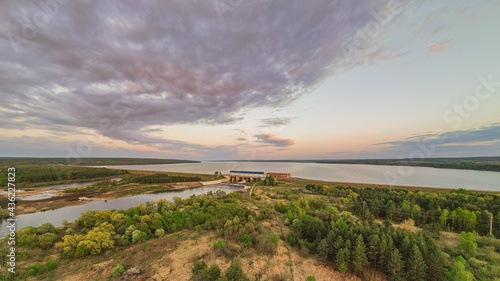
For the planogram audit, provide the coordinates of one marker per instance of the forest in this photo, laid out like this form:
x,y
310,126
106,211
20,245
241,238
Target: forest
x,y
489,163
354,231
27,176
19,161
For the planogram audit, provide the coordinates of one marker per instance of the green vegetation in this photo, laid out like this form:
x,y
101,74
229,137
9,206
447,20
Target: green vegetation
x,y
118,271
19,161
43,174
162,178
201,272
491,163
457,211
358,231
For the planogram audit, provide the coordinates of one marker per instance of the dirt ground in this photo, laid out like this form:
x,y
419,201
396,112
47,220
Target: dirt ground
x,y
171,258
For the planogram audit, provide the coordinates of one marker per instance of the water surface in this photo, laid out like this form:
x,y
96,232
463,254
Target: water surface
x,y
355,173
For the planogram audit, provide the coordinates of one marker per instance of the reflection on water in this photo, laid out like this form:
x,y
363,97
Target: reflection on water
x,y
71,213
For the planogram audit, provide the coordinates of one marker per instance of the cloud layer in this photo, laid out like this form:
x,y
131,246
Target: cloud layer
x,y
119,67
270,139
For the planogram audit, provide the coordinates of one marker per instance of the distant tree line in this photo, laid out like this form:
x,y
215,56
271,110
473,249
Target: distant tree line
x,y
17,161
38,174
163,178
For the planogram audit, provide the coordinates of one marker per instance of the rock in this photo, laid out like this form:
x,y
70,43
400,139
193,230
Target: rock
x,y
133,271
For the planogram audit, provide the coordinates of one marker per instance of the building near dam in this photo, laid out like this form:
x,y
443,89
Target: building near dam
x,y
279,175
252,176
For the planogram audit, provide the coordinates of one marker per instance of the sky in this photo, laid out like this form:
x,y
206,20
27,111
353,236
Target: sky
x,y
248,80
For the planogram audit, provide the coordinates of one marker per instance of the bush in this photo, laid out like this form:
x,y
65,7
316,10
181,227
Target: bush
x,y
201,272
51,265
226,249
31,271
47,240
311,278
235,273
246,239
159,232
139,236
117,271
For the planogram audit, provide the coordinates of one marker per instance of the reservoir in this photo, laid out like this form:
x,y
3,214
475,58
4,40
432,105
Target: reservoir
x,y
376,174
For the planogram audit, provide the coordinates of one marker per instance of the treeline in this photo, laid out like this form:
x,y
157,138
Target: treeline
x,y
355,245
457,211
462,165
162,178
18,161
38,174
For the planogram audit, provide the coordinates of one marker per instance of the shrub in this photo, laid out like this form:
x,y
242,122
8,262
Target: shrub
x,y
51,265
235,273
311,278
159,232
117,271
31,271
246,239
47,240
139,236
201,272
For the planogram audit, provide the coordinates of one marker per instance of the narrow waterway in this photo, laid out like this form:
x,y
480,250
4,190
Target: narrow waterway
x,y
73,212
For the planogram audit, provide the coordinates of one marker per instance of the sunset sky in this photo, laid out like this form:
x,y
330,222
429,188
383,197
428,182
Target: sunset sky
x,y
234,79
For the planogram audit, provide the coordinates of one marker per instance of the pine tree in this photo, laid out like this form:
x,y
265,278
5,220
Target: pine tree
x,y
394,266
383,253
436,264
416,267
373,249
359,259
342,259
323,249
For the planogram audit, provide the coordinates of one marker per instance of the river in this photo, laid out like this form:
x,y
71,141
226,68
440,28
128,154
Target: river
x,y
73,212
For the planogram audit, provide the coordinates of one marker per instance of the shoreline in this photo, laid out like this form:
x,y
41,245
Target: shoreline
x,y
73,199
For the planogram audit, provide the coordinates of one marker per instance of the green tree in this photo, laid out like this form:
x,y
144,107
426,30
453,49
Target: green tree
x,y
201,272
394,266
342,260
323,249
359,259
436,266
416,267
468,243
98,239
47,240
373,248
235,273
458,272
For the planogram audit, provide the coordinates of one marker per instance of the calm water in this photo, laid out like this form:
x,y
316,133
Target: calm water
x,y
71,213
387,175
